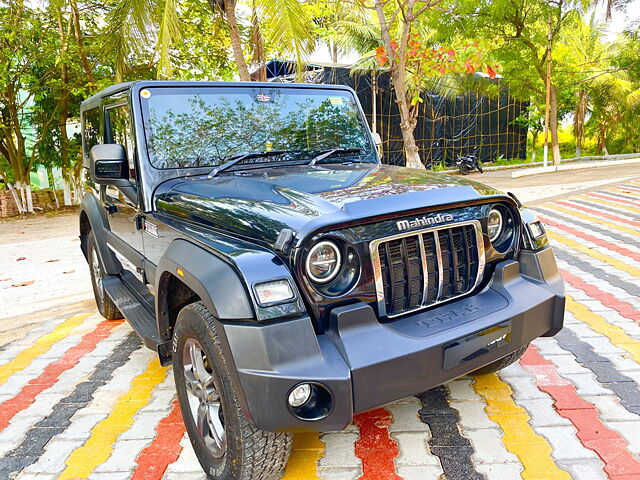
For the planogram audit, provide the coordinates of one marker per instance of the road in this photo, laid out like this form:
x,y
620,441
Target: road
x,y
80,397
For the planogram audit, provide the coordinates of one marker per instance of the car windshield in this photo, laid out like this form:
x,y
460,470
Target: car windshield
x,y
207,126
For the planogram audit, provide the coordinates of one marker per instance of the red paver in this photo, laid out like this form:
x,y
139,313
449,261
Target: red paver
x,y
607,299
165,448
592,433
599,213
613,199
375,447
51,373
590,238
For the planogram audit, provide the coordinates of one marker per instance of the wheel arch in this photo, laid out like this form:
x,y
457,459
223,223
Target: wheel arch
x,y
188,272
93,219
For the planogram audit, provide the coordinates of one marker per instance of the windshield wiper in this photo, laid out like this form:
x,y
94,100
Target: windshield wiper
x,y
243,156
330,152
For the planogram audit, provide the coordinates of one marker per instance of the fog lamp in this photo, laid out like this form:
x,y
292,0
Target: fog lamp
x,y
300,395
270,293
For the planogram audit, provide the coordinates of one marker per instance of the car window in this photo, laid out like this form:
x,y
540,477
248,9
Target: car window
x,y
91,132
197,127
119,131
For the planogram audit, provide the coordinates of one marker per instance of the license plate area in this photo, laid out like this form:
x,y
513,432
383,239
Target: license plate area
x,y
472,346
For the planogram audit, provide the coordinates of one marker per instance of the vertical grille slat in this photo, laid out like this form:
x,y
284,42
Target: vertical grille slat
x,y
425,268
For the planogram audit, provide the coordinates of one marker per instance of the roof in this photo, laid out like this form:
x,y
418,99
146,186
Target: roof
x,y
94,100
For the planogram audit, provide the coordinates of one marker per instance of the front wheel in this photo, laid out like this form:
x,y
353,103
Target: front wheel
x,y
105,305
227,446
504,362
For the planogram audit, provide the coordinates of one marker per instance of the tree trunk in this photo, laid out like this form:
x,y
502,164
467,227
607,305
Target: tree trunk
x,y
16,199
553,125
236,39
77,33
29,198
534,140
258,47
578,123
66,190
52,182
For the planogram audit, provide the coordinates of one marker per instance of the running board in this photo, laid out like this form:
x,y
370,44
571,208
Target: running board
x,y
140,319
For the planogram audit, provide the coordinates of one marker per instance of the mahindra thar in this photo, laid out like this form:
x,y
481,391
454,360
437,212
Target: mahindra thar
x,y
251,236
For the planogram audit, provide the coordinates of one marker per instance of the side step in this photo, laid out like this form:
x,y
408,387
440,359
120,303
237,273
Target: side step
x,y
140,319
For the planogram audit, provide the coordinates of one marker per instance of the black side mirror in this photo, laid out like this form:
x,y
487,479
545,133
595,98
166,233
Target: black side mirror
x,y
108,165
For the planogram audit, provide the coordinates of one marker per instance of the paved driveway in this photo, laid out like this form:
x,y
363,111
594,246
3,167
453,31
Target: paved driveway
x,y
80,397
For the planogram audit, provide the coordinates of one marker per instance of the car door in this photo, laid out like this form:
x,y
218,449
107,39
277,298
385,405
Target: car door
x,y
125,236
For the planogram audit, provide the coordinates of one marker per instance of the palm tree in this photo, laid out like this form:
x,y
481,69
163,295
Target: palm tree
x,y
133,23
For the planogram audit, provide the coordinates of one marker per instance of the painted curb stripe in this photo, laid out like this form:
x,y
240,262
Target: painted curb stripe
x,y
607,200
52,372
632,188
599,213
447,443
607,299
590,238
303,462
600,207
605,371
43,344
375,447
616,335
589,218
592,433
533,450
33,446
608,233
165,449
98,448
619,264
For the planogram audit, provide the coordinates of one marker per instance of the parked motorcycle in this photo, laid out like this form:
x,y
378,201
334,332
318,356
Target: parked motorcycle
x,y
468,163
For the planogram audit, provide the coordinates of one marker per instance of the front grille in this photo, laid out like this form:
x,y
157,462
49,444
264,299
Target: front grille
x,y
424,268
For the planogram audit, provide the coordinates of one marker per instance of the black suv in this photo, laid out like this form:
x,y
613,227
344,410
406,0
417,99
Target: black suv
x,y
250,235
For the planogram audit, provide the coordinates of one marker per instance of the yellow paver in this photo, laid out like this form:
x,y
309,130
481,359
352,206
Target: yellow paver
x,y
610,203
593,253
307,451
42,345
616,335
98,448
631,231
533,451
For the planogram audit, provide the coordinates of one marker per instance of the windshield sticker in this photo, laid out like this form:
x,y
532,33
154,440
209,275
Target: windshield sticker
x,y
335,100
145,93
261,97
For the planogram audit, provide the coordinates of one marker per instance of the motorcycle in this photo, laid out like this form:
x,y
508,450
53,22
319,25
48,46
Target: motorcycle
x,y
468,163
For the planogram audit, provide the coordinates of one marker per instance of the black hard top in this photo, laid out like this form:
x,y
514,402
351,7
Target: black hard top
x,y
94,100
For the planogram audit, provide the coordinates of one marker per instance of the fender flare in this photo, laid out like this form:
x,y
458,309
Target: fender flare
x,y
99,225
214,280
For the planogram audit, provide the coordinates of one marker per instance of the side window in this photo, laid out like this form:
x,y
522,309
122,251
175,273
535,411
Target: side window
x,y
119,131
91,132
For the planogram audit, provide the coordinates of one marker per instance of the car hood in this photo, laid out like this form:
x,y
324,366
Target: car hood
x,y
258,204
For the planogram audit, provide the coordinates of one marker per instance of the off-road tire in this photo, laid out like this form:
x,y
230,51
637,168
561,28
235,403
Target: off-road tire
x,y
502,363
251,454
105,305
464,170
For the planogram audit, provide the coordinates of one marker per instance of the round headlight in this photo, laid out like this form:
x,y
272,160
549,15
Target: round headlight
x,y
494,224
323,262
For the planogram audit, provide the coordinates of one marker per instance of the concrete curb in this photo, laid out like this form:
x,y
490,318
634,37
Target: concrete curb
x,y
579,166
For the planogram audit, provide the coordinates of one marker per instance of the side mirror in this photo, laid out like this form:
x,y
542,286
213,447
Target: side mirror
x,y
108,165
377,139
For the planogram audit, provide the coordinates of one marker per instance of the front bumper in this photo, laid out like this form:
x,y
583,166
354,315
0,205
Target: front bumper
x,y
365,364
